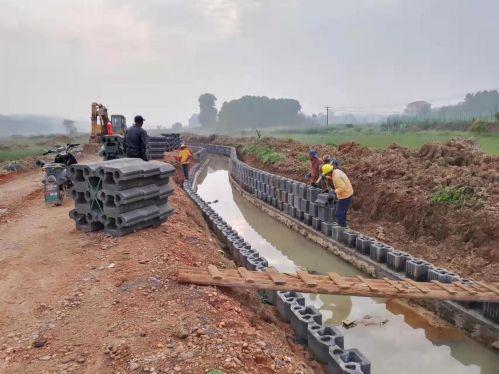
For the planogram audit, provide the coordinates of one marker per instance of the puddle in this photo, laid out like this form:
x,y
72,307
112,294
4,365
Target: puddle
x,y
405,343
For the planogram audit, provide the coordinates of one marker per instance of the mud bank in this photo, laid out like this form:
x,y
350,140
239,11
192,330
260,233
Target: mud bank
x,y
75,302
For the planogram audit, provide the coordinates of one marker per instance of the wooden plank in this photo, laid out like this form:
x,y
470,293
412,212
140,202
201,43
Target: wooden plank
x,y
305,277
395,284
464,287
421,288
214,272
246,275
365,282
275,276
444,287
489,287
338,280
329,284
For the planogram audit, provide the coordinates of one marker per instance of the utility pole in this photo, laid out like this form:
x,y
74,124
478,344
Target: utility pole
x,y
327,114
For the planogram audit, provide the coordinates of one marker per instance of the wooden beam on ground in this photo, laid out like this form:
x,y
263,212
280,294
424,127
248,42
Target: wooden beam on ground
x,y
335,284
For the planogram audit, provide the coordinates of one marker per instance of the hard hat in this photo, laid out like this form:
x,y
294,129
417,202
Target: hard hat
x,y
335,162
182,145
139,119
313,153
327,168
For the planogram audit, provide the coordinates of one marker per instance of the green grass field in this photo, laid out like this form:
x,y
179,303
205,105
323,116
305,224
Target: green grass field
x,y
381,140
18,148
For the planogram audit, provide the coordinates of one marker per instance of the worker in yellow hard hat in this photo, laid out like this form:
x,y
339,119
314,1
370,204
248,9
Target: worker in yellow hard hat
x,y
343,189
183,157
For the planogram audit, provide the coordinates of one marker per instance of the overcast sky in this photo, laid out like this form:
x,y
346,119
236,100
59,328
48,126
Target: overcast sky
x,y
155,57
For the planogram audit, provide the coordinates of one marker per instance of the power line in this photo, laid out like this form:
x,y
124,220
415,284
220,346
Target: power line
x,y
348,108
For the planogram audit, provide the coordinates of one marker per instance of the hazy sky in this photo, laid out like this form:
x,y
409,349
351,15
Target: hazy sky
x,y
155,57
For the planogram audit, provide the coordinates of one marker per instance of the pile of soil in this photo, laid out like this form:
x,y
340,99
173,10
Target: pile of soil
x,y
392,200
88,302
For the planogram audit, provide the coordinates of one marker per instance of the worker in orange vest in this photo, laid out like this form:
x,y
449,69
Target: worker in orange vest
x,y
109,128
184,155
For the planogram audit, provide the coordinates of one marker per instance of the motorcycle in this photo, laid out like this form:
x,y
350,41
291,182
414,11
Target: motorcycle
x,y
56,180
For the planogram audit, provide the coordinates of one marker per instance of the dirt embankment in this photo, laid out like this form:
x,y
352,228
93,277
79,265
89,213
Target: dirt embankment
x,y
393,191
76,302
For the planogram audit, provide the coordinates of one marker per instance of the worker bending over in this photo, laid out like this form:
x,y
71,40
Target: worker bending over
x,y
184,155
136,140
315,167
343,189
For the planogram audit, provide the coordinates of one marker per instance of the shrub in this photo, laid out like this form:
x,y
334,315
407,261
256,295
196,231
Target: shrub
x,y
264,154
454,196
479,127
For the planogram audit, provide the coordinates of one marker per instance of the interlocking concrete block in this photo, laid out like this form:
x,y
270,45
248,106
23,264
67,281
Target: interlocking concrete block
x,y
307,219
298,214
313,210
313,193
256,262
379,251
296,188
304,205
320,338
417,269
349,237
491,311
302,190
396,260
326,228
316,223
284,300
301,317
349,361
83,223
324,213
363,245
297,201
291,199
442,275
115,227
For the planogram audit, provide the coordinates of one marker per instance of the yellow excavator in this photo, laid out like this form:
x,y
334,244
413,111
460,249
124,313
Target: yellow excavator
x,y
100,120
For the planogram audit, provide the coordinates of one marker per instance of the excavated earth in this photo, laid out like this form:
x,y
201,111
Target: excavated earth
x,y
392,197
92,303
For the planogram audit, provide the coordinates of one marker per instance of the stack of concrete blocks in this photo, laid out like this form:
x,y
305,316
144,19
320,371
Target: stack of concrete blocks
x,y
289,197
120,196
112,147
156,147
173,141
326,343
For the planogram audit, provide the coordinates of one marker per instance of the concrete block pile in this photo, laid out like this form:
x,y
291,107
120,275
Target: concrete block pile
x,y
112,147
156,147
173,141
120,196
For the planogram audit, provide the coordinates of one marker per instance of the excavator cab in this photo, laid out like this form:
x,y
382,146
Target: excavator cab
x,y
100,120
119,124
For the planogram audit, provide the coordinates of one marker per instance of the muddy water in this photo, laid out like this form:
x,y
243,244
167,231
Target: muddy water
x,y
391,335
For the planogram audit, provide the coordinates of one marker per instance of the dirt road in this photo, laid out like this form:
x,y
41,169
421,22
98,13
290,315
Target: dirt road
x,y
75,302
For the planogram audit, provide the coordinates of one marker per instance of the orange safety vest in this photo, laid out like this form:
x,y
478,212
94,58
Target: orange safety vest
x,y
109,127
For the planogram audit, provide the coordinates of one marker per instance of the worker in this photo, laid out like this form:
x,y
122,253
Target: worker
x,y
315,166
327,159
109,128
184,156
343,189
136,140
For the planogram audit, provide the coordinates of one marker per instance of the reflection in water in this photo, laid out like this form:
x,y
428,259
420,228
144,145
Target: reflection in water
x,y
405,343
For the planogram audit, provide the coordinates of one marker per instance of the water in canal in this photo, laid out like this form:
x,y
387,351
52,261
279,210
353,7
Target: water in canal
x,y
393,337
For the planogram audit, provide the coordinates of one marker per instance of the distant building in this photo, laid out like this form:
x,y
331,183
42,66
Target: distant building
x,y
418,109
